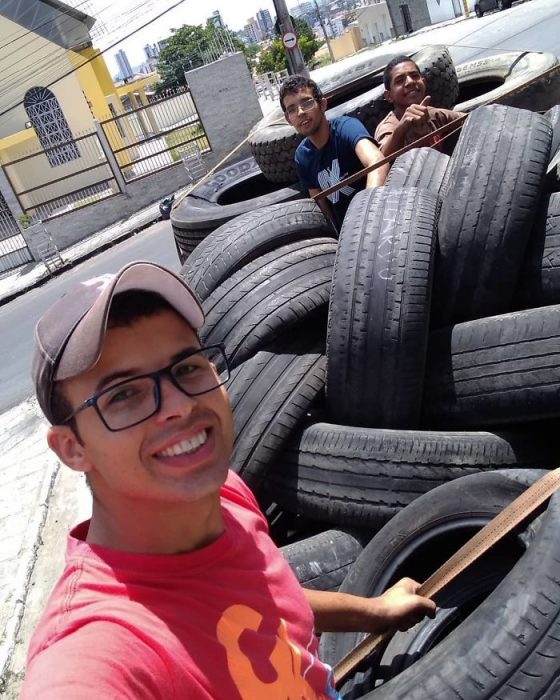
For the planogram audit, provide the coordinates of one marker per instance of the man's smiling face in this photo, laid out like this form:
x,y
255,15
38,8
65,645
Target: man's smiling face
x,y
182,453
408,87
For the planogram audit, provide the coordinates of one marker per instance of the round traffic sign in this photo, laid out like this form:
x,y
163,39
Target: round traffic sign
x,y
289,39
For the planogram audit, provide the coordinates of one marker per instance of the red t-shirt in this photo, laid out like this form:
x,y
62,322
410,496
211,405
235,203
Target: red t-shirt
x,y
228,621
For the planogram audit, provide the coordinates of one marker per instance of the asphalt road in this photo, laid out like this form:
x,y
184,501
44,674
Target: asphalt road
x,y
18,318
533,25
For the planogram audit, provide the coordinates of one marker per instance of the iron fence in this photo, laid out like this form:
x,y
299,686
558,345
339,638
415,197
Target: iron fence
x,y
45,191
13,248
157,135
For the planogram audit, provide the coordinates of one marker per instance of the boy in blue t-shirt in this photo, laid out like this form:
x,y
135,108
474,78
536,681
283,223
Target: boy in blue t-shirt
x,y
331,151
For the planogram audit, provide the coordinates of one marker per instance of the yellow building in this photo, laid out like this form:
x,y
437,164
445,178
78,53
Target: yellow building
x,y
45,101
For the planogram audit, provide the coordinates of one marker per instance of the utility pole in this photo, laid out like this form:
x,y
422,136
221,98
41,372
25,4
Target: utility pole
x,y
287,35
331,54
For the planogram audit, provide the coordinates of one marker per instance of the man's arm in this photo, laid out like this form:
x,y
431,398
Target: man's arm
x,y
415,119
368,153
399,608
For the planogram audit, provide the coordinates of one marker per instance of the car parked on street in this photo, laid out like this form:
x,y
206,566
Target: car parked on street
x,y
482,6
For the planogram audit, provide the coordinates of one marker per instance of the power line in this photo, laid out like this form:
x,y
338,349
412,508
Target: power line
x,y
103,51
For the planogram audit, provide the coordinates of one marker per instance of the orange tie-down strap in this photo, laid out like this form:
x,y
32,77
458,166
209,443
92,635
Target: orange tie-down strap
x,y
472,550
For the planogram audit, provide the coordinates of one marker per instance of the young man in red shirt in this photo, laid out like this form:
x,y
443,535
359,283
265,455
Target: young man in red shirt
x,y
412,116
173,589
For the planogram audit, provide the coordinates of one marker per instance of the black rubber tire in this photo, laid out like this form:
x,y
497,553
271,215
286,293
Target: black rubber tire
x,y
348,475
494,371
379,308
515,79
421,167
194,216
269,298
553,116
273,141
539,284
239,242
270,395
486,220
321,562
478,12
507,647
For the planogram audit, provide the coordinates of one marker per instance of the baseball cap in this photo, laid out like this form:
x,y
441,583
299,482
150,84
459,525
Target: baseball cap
x,y
69,336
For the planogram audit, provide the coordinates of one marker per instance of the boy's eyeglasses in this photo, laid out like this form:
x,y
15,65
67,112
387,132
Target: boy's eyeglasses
x,y
305,106
132,401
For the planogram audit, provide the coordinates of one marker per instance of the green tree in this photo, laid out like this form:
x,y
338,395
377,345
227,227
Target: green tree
x,y
275,57
186,49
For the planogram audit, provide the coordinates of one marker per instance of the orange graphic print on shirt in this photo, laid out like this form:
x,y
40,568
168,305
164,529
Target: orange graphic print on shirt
x,y
285,658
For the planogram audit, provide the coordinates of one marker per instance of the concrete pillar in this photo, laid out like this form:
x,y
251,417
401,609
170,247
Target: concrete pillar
x,y
121,182
226,101
10,196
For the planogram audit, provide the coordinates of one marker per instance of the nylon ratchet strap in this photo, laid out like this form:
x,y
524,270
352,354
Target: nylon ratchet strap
x,y
472,550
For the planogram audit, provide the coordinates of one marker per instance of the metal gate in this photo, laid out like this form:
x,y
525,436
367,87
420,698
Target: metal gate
x,y
13,249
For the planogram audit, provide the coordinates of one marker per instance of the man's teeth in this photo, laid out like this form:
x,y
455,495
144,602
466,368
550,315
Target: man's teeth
x,y
185,446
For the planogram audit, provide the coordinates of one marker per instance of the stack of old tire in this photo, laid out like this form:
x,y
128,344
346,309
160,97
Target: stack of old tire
x,y
369,373
354,88
269,177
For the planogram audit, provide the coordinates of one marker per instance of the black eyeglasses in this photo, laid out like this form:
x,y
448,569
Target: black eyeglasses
x,y
132,401
305,105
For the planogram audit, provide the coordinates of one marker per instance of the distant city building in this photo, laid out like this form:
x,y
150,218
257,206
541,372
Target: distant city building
x,y
151,51
216,19
125,69
161,44
306,11
266,25
253,31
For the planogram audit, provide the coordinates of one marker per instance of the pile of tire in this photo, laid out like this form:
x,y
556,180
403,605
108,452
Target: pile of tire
x,y
354,88
403,382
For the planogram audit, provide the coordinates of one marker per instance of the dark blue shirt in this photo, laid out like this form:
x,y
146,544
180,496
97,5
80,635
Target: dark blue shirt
x,y
324,167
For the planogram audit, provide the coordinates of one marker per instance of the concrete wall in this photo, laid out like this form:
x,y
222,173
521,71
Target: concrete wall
x,y
375,23
419,15
226,101
81,223
347,44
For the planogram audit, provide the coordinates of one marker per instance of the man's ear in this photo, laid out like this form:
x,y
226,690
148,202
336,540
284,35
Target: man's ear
x,y
387,96
63,442
323,104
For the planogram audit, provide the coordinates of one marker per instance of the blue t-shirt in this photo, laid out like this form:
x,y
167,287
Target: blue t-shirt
x,y
324,167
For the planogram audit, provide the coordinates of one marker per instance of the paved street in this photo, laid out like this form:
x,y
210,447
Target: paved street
x,y
528,26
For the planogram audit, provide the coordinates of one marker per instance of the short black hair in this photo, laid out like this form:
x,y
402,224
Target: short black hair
x,y
294,84
126,308
387,73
